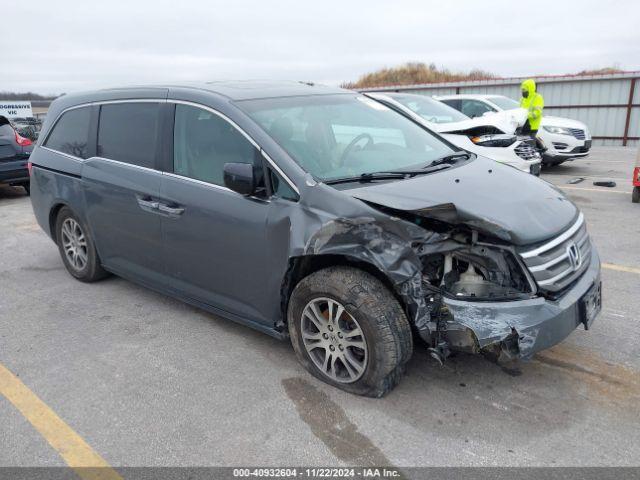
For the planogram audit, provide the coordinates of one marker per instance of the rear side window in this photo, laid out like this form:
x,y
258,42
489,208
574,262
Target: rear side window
x,y
70,134
128,132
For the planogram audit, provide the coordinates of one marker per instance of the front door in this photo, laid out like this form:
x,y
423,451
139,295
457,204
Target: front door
x,y
214,238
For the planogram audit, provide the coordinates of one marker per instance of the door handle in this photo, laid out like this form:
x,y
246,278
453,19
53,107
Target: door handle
x,y
170,210
148,203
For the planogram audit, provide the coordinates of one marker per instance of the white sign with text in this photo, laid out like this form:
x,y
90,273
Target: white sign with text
x,y
15,108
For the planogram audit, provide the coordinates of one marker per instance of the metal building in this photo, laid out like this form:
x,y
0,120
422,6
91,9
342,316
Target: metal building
x,y
609,104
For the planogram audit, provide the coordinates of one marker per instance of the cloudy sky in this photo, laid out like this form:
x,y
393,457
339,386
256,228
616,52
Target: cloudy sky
x,y
56,46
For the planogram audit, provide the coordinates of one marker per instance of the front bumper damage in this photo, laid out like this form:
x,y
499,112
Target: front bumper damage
x,y
519,329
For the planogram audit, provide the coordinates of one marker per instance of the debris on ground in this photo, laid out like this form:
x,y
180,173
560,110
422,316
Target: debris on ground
x,y
575,180
605,183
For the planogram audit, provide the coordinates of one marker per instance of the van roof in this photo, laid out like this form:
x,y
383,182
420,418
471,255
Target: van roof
x,y
243,89
230,90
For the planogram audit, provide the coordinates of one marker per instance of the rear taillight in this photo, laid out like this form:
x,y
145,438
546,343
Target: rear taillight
x,y
23,142
636,177
29,167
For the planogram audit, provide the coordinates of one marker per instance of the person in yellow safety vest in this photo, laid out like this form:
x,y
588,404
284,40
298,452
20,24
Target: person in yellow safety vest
x,y
533,102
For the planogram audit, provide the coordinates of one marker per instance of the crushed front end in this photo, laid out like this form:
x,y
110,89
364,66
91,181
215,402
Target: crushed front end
x,y
504,271
509,302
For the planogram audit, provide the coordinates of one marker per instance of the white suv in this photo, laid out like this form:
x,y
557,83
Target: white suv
x,y
565,139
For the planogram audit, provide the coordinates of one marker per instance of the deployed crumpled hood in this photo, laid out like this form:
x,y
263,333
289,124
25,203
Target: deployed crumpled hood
x,y
484,194
516,117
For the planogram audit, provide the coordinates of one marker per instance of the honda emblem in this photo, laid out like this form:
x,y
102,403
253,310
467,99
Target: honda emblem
x,y
575,256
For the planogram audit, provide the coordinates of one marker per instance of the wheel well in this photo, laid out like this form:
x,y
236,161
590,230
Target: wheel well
x,y
53,216
303,266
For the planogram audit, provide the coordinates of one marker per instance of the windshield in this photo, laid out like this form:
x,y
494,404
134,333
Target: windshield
x,y
344,135
430,109
505,103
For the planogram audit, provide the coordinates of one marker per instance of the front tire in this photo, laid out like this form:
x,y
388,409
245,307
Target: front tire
x,y
76,247
348,330
635,195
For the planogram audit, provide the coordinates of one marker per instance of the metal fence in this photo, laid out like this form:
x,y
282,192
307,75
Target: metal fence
x,y
608,104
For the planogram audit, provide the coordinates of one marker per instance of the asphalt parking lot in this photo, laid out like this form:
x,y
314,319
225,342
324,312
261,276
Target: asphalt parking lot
x,y
146,380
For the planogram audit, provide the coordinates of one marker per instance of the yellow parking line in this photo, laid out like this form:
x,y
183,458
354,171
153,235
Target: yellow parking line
x,y
71,447
602,190
621,268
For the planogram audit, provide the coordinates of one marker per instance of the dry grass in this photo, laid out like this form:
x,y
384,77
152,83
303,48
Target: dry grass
x,y
600,71
415,73
25,96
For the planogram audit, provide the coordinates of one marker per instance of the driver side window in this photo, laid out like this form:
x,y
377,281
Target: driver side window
x,y
203,142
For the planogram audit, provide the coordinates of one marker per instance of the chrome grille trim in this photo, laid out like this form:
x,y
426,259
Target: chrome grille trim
x,y
552,281
564,273
552,262
578,133
556,241
554,265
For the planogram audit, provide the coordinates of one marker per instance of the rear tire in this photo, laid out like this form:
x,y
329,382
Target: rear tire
x,y
27,188
635,195
370,340
76,247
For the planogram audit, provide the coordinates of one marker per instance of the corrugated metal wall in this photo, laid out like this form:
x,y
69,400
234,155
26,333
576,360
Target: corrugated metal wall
x,y
603,102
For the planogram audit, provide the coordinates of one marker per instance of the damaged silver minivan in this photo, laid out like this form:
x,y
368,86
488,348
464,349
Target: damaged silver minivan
x,y
317,214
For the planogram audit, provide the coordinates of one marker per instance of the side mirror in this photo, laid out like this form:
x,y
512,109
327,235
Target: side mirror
x,y
240,177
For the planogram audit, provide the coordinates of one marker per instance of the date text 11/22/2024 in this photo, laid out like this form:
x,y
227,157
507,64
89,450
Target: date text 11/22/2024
x,y
318,472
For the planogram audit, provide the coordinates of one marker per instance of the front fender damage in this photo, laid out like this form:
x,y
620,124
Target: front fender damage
x,y
397,248
390,247
409,249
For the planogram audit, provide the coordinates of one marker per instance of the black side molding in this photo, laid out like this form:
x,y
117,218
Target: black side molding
x,y
48,169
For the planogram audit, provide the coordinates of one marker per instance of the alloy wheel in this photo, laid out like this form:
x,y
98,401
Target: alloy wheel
x,y
334,340
74,244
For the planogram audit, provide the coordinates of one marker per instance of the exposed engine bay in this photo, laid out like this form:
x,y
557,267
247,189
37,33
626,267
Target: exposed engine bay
x,y
478,272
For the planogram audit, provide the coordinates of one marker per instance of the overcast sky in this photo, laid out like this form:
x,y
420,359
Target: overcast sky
x,y
58,46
